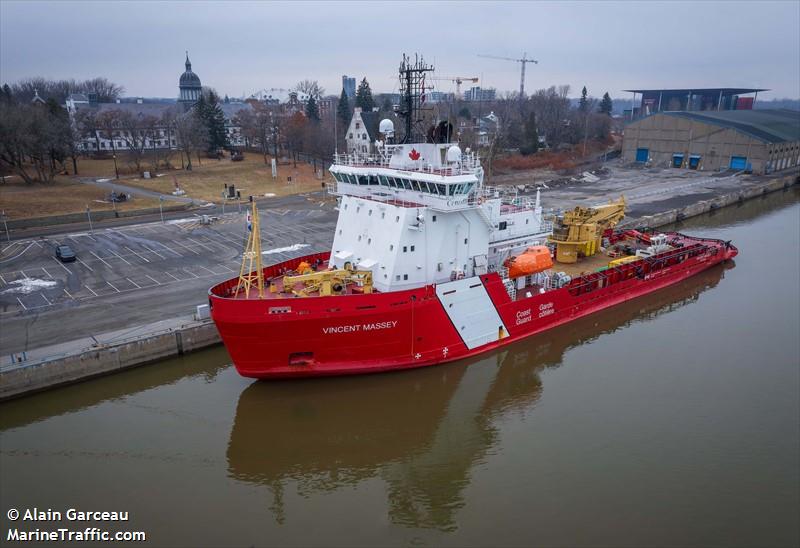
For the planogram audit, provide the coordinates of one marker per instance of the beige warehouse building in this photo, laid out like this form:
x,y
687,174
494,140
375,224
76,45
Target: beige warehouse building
x,y
761,141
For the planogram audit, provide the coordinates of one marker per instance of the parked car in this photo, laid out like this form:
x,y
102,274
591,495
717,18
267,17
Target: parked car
x,y
65,254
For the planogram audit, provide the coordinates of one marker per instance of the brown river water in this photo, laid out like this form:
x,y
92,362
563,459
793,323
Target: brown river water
x,y
672,420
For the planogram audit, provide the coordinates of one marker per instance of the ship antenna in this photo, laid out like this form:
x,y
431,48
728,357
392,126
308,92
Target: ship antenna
x,y
251,255
412,94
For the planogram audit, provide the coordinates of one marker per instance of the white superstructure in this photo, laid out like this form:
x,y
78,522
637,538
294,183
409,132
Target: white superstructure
x,y
419,214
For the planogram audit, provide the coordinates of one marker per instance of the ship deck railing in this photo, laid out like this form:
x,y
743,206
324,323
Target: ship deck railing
x,y
467,166
511,203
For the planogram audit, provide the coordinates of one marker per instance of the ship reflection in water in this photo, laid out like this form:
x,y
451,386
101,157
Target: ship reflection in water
x,y
421,432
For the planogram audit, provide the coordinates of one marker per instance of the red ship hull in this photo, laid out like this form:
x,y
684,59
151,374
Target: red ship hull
x,y
356,333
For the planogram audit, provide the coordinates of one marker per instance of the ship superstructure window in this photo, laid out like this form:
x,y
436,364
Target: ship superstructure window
x,y
405,249
503,225
412,248
405,276
433,219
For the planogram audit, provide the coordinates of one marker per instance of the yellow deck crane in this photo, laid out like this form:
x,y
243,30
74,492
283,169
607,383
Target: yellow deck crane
x,y
579,232
327,282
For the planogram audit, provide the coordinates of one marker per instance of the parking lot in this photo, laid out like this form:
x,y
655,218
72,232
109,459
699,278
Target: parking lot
x,y
136,274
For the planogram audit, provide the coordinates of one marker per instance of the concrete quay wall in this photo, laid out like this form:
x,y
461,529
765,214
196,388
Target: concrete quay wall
x,y
705,206
28,378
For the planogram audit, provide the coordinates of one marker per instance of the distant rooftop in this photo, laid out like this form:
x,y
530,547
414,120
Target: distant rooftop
x,y
769,125
734,91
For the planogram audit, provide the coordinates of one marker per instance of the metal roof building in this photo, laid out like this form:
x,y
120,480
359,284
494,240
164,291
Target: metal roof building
x,y
762,141
691,99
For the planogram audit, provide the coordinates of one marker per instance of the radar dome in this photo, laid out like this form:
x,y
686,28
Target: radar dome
x,y
386,126
454,154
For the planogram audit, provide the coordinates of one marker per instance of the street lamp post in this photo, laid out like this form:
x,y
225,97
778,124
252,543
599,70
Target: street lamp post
x,y
160,207
89,214
5,224
116,170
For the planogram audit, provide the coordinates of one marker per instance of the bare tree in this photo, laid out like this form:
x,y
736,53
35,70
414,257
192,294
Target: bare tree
x,y
295,134
34,137
107,91
25,89
87,125
191,134
310,87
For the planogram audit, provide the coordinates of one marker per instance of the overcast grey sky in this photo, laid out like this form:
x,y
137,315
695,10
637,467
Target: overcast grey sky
x,y
241,47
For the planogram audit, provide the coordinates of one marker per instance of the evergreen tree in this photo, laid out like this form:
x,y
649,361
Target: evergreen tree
x,y
530,138
364,97
312,110
210,114
606,105
227,99
343,110
465,113
5,94
583,104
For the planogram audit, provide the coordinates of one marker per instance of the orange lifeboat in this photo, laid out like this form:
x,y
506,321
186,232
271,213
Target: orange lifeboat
x,y
534,259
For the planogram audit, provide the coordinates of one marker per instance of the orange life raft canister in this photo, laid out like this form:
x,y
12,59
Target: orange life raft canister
x,y
534,259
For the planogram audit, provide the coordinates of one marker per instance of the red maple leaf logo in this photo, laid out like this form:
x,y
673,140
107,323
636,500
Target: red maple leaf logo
x,y
414,155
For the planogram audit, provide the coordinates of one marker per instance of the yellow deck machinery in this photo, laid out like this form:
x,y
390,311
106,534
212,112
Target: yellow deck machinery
x,y
326,282
579,232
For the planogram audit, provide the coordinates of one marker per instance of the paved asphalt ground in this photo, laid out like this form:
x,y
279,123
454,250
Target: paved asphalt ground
x,y
126,276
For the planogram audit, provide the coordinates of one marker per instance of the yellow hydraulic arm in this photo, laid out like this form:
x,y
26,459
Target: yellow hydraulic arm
x,y
327,282
579,232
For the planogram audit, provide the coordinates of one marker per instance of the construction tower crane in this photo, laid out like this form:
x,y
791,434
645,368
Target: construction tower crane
x,y
458,81
524,61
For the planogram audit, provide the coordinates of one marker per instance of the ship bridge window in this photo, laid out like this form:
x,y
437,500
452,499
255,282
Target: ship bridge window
x,y
407,184
441,189
383,179
392,182
363,180
415,186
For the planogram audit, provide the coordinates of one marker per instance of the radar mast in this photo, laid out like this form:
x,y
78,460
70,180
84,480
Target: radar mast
x,y
412,96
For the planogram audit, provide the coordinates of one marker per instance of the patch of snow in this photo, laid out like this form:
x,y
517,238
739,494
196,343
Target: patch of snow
x,y
589,177
101,180
269,195
294,247
180,221
28,285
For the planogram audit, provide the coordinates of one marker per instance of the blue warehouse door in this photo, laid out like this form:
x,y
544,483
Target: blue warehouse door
x,y
694,161
738,162
642,154
677,160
